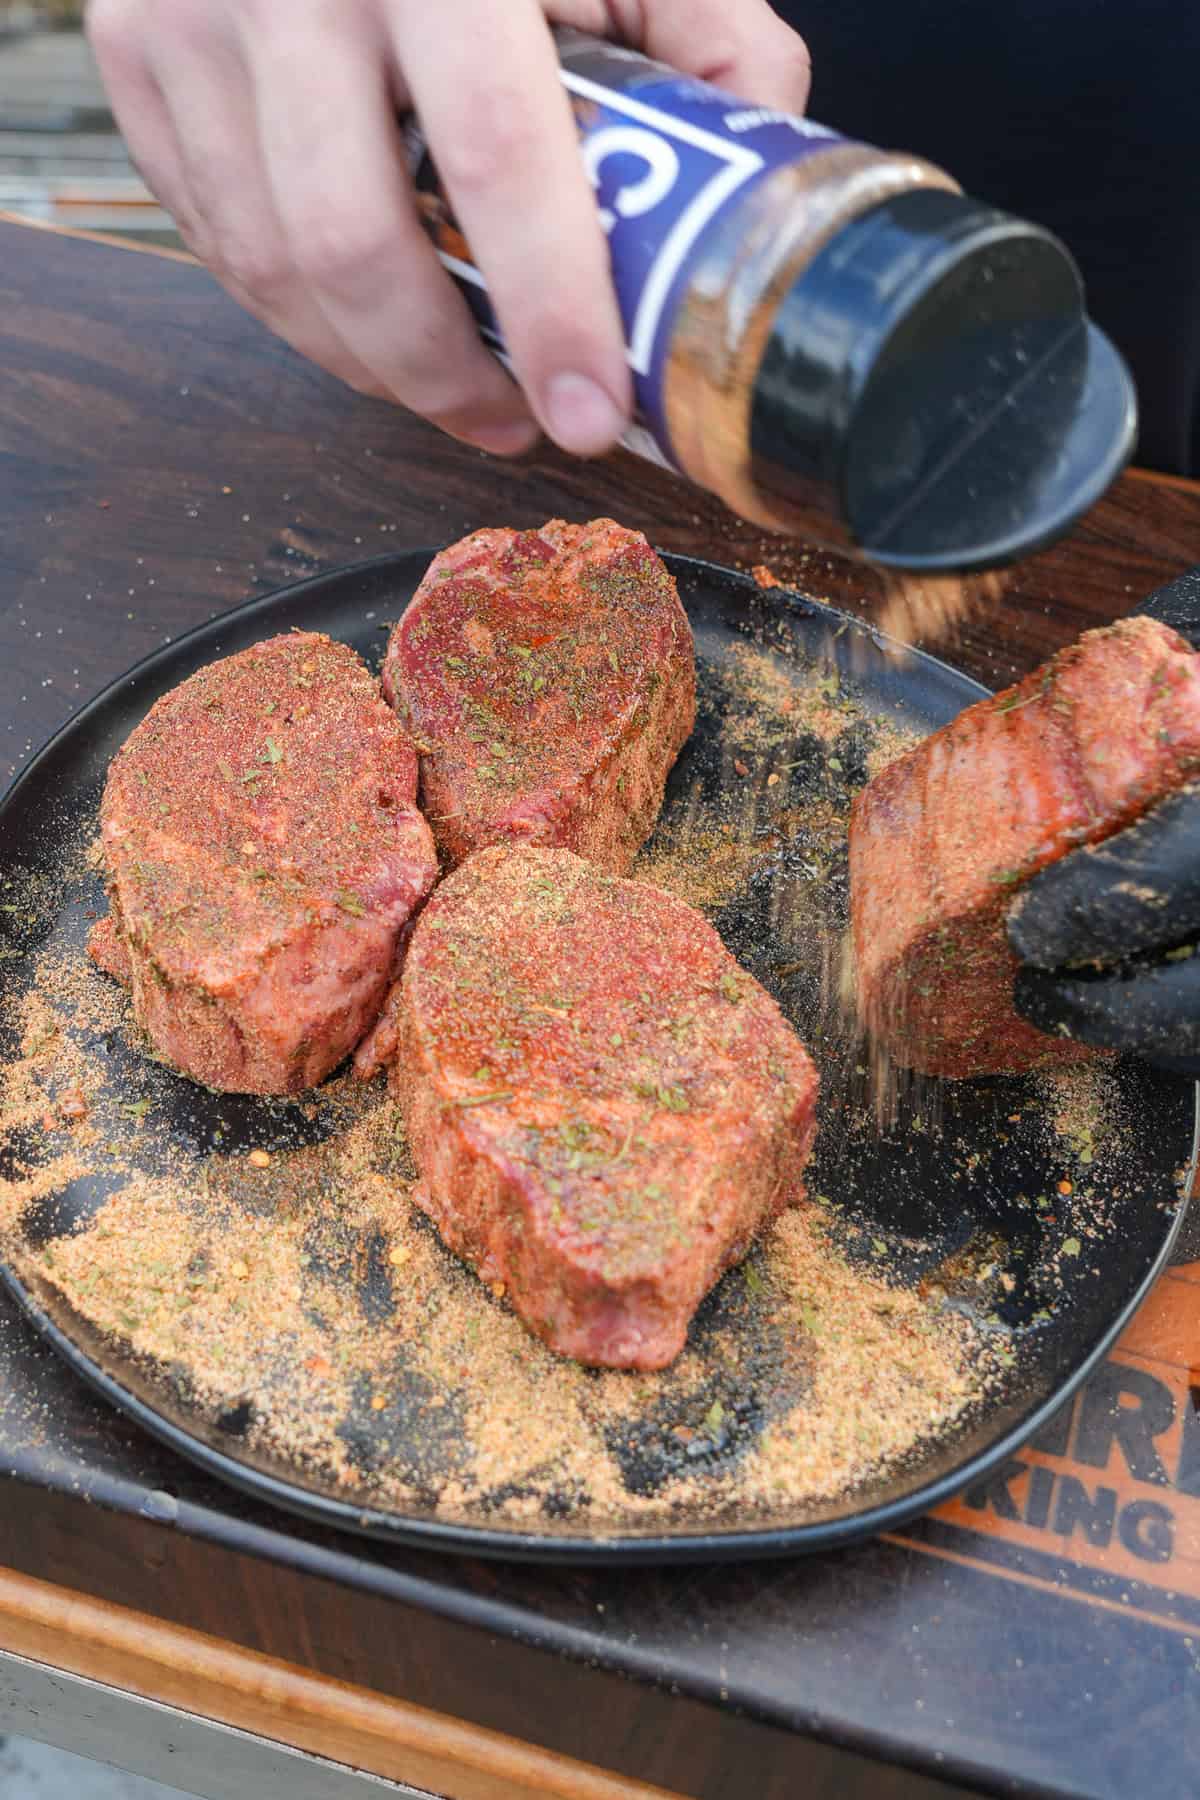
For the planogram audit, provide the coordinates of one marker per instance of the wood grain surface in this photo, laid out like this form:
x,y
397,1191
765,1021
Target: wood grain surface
x,y
278,1700
163,458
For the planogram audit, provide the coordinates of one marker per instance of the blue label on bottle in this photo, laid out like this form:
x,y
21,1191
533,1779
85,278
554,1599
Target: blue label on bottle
x,y
666,156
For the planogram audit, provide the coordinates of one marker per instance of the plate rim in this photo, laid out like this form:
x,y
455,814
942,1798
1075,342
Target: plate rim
x,y
618,1549
498,1544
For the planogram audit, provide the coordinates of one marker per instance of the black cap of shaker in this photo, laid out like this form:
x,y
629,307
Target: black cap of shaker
x,y
934,373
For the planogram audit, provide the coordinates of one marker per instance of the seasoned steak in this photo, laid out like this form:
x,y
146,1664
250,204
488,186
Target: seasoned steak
x,y
603,1107
264,855
942,839
548,679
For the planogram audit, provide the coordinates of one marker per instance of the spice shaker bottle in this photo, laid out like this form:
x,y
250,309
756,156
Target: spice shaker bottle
x,y
833,338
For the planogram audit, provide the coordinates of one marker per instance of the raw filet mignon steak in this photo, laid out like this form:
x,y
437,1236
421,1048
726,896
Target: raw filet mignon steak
x,y
264,854
604,1108
942,839
548,680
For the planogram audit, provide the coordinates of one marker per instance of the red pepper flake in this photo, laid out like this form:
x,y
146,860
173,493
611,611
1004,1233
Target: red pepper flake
x,y
739,768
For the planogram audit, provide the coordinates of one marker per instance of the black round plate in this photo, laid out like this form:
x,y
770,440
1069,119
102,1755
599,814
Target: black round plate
x,y
907,1181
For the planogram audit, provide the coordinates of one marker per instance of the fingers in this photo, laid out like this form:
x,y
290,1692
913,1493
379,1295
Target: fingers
x,y
278,152
1177,605
202,162
743,47
484,81
138,107
334,164
231,221
281,163
1138,891
1153,1011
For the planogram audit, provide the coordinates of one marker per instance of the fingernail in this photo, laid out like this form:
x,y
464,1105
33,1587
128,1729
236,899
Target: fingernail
x,y
580,416
506,440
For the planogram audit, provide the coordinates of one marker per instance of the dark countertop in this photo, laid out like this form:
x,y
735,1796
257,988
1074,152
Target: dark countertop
x,y
161,459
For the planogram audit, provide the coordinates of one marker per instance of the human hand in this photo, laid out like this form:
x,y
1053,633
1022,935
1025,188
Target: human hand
x,y
268,128
1110,936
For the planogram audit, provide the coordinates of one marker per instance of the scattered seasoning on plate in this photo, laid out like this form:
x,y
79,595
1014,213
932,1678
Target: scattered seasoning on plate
x,y
299,1289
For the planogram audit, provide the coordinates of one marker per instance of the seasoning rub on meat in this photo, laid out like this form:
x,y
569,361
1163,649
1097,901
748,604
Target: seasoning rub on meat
x,y
263,854
604,1108
548,679
943,838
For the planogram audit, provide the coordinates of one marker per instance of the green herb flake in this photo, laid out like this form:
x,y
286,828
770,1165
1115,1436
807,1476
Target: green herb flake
x,y
714,1419
271,752
755,1284
497,1097
349,903
879,1247
730,987
137,1109
1072,1247
671,1099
